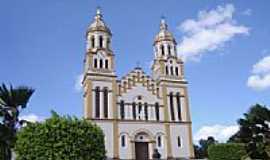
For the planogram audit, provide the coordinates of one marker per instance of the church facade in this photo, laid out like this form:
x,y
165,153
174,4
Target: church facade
x,y
138,113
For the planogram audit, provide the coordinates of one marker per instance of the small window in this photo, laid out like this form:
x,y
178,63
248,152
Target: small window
x,y
122,109
171,70
123,141
93,42
157,111
159,141
134,110
169,49
162,50
106,64
95,63
100,63
176,71
167,70
100,41
179,141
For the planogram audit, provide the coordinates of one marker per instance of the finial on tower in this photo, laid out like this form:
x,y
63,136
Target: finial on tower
x,y
163,24
98,13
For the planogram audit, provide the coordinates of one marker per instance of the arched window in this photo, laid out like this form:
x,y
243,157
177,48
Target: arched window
x,y
162,50
140,109
108,42
134,110
171,106
157,111
106,105
100,41
97,91
159,141
146,111
123,141
178,101
167,70
171,70
176,71
122,109
95,63
100,63
92,41
106,64
179,143
169,49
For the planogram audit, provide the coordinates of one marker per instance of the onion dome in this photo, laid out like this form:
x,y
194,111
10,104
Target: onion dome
x,y
98,24
164,34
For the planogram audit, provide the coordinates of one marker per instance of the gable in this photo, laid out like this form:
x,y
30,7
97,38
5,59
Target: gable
x,y
139,90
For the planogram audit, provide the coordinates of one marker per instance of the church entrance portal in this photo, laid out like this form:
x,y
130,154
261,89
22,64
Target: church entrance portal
x,y
141,149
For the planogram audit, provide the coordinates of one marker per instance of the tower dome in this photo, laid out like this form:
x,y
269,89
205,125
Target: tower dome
x,y
98,24
164,34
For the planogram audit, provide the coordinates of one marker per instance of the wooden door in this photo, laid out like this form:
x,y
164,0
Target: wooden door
x,y
141,149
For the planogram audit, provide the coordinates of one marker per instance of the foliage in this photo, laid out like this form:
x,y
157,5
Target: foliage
x,y
201,150
229,151
60,138
254,131
12,101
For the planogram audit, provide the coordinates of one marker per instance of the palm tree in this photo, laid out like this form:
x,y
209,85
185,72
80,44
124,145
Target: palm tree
x,y
12,101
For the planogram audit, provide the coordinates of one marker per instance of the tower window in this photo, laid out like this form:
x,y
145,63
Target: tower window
x,y
106,105
171,70
106,64
100,41
134,110
123,141
169,49
171,107
95,63
178,101
179,141
100,63
167,70
93,42
157,111
176,71
162,50
122,109
97,90
108,42
146,111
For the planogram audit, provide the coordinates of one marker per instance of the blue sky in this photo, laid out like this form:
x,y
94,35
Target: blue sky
x,y
42,45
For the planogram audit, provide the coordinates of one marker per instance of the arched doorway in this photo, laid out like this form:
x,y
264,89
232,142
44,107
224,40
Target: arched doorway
x,y
143,146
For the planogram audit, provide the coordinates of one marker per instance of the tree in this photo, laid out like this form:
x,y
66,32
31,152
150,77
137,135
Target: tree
x,y
60,138
229,151
201,150
12,101
254,131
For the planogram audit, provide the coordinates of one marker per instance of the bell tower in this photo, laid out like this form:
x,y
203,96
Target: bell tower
x,y
166,64
99,74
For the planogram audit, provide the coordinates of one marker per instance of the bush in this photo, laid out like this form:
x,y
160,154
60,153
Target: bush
x,y
229,151
60,138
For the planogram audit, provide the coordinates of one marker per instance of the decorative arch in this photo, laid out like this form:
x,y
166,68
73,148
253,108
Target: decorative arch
x,y
143,131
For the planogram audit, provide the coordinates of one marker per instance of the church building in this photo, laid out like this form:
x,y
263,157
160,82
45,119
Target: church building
x,y
138,113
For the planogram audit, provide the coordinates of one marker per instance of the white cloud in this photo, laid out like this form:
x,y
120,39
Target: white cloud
x,y
209,32
260,78
31,118
220,132
247,12
78,83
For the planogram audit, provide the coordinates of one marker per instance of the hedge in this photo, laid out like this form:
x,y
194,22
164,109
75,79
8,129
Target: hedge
x,y
229,151
60,138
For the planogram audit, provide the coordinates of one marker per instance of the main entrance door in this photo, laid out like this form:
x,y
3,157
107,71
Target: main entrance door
x,y
141,149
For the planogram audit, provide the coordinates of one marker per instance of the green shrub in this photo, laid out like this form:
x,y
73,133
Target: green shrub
x,y
229,151
60,138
